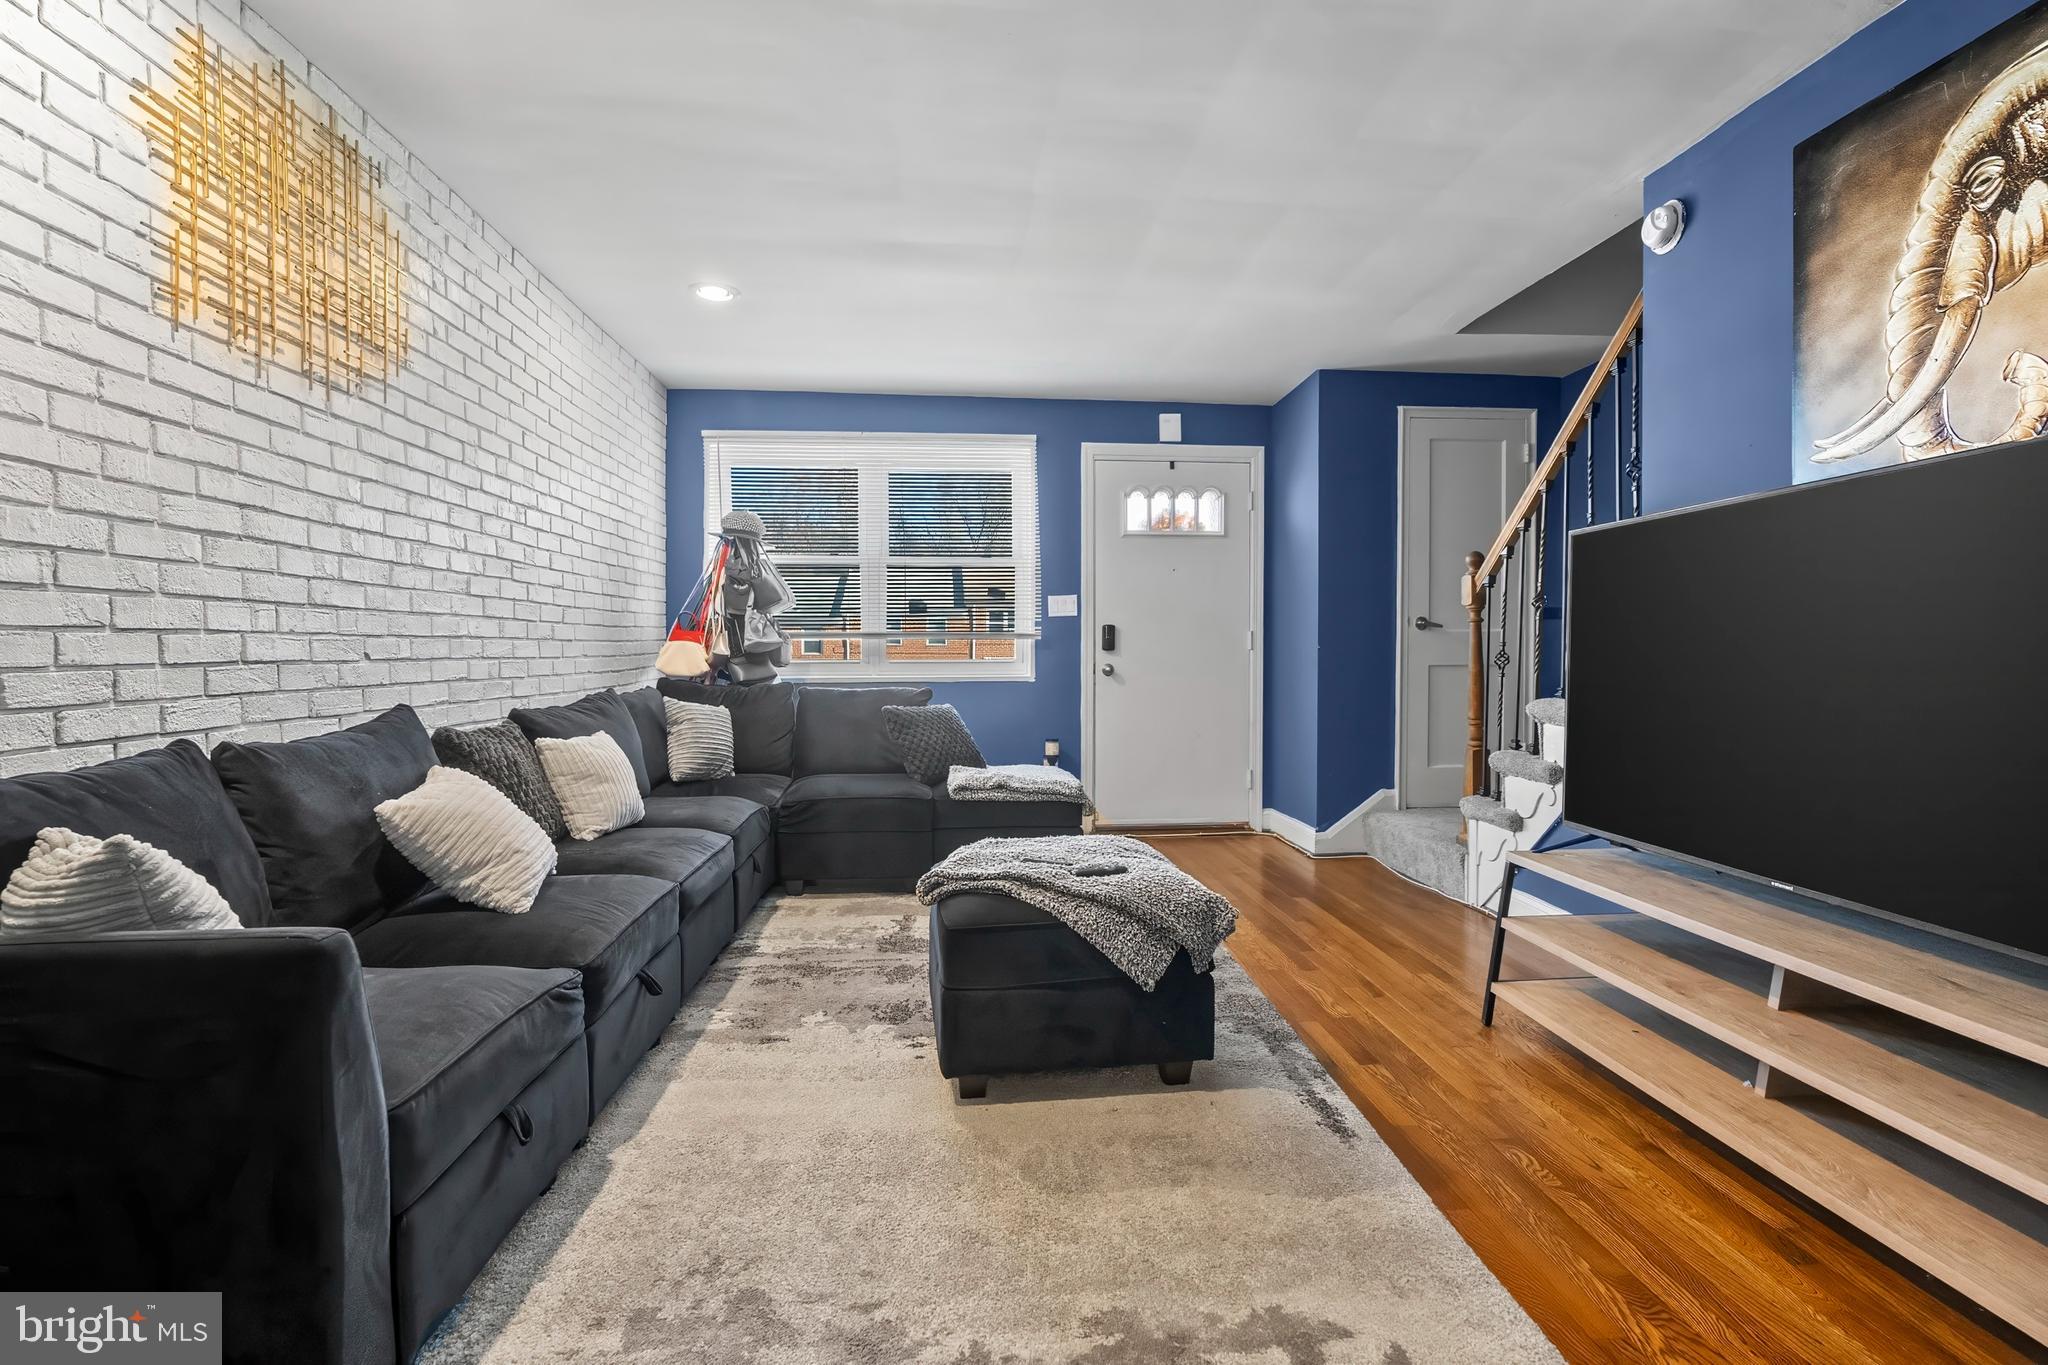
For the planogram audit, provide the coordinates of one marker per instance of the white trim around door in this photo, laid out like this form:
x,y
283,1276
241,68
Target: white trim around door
x,y
1400,622
1255,456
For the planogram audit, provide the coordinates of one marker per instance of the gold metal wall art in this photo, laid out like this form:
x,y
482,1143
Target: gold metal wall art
x,y
277,234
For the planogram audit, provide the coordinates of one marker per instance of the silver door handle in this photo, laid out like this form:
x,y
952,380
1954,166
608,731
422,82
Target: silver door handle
x,y
1424,623
1109,670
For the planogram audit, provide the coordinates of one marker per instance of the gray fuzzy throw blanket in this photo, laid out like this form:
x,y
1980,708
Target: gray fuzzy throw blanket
x,y
1016,782
1122,896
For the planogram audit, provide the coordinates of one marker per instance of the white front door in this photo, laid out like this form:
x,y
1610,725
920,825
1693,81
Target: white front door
x,y
1172,591
1461,468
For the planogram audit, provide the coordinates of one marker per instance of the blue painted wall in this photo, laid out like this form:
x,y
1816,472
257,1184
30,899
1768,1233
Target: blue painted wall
x,y
1718,332
1358,554
1293,589
1717,311
1333,469
1010,720
1568,509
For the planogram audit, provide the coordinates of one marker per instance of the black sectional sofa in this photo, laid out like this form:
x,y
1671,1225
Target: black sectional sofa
x,y
335,1114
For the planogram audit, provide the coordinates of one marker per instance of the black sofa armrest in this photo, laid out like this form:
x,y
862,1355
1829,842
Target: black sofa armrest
x,y
200,1111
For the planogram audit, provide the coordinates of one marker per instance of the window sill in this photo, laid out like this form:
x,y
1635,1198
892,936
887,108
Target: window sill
x,y
908,677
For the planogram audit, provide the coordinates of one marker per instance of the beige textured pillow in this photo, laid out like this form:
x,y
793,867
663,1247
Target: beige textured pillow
x,y
74,883
594,782
470,840
699,741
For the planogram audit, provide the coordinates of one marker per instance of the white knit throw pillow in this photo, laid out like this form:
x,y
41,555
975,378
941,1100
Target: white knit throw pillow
x,y
593,781
73,883
470,840
699,741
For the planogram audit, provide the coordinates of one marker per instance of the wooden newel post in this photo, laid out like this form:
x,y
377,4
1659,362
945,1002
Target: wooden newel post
x,y
1474,594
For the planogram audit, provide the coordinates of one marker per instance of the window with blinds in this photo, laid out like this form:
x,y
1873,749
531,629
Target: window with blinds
x,y
909,556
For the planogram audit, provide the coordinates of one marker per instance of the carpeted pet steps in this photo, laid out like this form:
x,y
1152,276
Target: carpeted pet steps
x,y
1532,767
1488,811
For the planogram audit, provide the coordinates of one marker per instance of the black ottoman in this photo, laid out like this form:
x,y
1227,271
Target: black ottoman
x,y
1014,990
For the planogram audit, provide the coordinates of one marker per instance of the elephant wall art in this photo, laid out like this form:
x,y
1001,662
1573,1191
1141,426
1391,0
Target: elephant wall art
x,y
1921,320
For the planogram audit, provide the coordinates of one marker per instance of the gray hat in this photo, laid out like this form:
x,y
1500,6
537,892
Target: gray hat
x,y
743,523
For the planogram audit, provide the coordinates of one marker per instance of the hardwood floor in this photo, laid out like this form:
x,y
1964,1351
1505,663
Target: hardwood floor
x,y
1625,1236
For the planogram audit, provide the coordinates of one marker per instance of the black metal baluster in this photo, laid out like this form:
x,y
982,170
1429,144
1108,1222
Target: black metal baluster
x,y
1618,366
1564,510
1592,445
1635,423
1500,671
1489,624
1521,634
1536,598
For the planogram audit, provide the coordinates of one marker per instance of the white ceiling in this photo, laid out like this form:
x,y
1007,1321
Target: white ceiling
x,y
1161,199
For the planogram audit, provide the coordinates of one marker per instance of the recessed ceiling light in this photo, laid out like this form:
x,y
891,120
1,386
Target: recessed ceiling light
x,y
715,293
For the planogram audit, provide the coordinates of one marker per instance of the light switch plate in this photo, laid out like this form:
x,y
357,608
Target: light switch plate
x,y
1169,426
1064,604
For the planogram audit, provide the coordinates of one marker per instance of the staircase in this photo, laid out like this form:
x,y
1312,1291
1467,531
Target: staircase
x,y
1515,740
1463,852
1530,803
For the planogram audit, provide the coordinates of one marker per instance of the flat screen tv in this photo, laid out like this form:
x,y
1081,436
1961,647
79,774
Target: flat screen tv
x,y
1836,688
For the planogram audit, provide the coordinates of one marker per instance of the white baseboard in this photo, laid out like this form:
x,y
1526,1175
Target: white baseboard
x,y
1345,838
1296,832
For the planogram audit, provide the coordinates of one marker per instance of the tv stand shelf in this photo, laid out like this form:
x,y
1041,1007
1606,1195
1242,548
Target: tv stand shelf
x,y
1894,1076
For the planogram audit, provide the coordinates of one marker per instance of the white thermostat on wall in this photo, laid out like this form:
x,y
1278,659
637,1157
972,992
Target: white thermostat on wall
x,y
1169,426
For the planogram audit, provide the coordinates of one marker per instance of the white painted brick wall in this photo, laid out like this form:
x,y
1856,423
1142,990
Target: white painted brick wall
x,y
193,545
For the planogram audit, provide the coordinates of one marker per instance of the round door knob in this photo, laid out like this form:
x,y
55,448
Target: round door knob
x,y
1109,670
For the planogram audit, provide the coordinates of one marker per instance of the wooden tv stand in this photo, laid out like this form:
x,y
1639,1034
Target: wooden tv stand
x,y
1896,1077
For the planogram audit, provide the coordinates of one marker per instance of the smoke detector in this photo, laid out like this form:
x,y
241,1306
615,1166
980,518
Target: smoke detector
x,y
1663,226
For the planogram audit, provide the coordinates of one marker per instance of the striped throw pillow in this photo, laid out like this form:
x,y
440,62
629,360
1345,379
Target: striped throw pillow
x,y
503,756
699,741
594,781
470,840
73,883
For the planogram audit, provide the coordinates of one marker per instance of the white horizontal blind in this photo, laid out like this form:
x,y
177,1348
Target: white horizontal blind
x,y
923,548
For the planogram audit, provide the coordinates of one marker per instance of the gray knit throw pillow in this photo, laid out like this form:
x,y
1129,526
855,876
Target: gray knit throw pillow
x,y
931,739
503,756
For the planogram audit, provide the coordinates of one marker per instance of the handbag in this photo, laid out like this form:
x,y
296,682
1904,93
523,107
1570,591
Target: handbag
x,y
687,651
770,593
759,635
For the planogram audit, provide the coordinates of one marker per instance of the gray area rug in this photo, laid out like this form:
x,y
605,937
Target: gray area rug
x,y
786,1179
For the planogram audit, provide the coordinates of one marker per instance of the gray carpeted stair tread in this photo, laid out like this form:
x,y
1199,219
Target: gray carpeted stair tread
x,y
1547,710
1531,767
1488,811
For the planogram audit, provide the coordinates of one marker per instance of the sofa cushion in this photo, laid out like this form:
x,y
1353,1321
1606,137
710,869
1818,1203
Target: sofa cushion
x,y
311,808
948,813
593,779
604,927
650,721
930,741
470,840
841,729
836,803
699,741
456,1045
763,720
762,788
747,823
169,797
698,861
983,942
600,711
502,755
73,883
